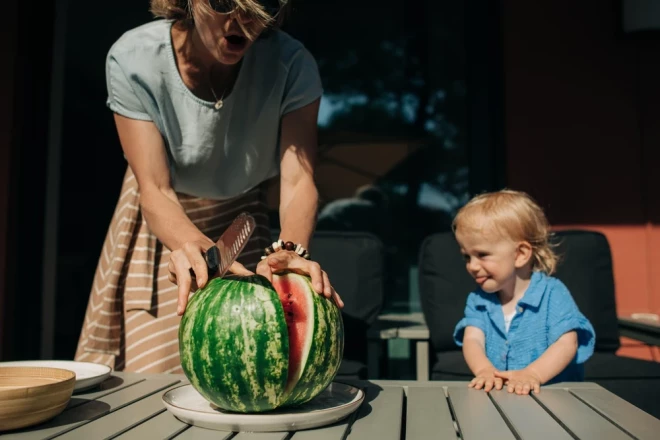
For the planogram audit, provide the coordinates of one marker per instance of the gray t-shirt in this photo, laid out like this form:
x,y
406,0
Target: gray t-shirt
x,y
216,154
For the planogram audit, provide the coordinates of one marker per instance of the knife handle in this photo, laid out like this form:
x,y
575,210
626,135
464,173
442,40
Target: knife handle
x,y
212,258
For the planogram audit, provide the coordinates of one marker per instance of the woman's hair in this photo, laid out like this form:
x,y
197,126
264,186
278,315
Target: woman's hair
x,y
181,10
514,215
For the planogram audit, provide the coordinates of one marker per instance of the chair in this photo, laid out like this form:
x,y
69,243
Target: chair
x,y
354,263
586,269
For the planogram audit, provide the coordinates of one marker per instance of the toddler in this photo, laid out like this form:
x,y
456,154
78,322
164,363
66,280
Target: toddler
x,y
521,326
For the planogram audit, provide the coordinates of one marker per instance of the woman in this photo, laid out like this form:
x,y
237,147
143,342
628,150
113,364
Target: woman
x,y
209,102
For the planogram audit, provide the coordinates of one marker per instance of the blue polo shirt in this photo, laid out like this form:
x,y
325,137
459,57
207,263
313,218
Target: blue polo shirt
x,y
543,314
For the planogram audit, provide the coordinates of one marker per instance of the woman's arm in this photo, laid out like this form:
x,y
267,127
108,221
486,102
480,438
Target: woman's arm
x,y
298,194
298,198
144,149
474,352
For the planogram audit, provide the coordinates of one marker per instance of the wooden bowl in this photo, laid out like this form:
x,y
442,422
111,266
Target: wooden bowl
x,y
32,395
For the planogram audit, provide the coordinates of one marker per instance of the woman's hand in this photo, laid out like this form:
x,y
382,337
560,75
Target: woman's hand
x,y
289,260
189,256
487,380
521,381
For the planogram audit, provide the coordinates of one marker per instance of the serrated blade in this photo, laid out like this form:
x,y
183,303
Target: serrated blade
x,y
230,244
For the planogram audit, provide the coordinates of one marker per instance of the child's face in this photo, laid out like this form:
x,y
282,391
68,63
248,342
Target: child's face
x,y
491,259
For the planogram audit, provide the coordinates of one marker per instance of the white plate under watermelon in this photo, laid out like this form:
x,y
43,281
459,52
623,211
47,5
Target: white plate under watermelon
x,y
331,405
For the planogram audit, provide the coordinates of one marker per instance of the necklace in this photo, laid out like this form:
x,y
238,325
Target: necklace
x,y
218,102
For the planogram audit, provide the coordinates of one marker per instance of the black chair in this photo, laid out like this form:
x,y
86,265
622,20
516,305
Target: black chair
x,y
586,269
354,263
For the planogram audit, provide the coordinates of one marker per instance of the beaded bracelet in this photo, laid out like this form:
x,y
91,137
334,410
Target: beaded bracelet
x,y
281,245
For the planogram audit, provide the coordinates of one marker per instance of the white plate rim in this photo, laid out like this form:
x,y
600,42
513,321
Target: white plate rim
x,y
101,373
357,401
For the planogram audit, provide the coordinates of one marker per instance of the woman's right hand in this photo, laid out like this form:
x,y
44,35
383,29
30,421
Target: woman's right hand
x,y
487,380
182,260
188,260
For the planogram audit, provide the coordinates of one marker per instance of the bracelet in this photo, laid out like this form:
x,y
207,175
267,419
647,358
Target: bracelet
x,y
281,245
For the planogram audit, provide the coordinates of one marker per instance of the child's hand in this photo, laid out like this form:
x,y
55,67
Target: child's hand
x,y
487,380
521,381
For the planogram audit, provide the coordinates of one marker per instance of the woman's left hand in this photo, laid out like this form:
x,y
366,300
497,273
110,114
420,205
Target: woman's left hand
x,y
289,260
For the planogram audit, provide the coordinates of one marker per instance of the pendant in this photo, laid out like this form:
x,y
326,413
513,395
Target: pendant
x,y
218,105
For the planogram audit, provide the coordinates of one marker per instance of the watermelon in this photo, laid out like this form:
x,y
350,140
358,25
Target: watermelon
x,y
250,346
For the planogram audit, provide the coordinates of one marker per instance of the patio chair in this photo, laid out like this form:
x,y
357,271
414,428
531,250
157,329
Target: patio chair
x,y
354,263
585,268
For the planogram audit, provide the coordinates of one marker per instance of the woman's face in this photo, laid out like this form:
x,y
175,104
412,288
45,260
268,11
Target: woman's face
x,y
222,34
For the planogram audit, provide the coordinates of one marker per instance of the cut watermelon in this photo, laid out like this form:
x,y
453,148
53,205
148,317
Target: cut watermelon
x,y
249,346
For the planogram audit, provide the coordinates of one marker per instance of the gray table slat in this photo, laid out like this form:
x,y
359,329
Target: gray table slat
x,y
477,417
379,416
336,431
109,386
196,433
428,415
93,409
261,436
164,425
579,418
121,420
529,419
630,418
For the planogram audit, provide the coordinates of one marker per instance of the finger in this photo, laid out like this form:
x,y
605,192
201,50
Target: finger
x,y
510,387
172,278
502,374
238,269
338,300
489,385
264,270
537,387
526,388
498,383
480,384
314,271
519,388
472,383
182,266
197,263
327,287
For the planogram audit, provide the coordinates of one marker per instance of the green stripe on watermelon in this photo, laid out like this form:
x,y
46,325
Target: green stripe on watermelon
x,y
232,345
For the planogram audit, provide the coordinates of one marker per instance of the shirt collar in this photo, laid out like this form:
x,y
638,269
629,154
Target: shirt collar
x,y
535,290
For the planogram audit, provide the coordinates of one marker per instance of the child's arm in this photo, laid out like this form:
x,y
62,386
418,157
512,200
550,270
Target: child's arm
x,y
548,365
474,351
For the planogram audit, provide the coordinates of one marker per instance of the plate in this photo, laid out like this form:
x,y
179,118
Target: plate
x,y
336,402
88,374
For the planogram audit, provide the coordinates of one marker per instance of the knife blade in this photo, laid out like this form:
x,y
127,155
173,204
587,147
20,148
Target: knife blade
x,y
229,246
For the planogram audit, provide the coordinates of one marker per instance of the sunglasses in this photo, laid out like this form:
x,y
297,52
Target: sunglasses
x,y
272,7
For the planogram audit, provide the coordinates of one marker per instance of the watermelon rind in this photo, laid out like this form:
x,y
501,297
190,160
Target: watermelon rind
x,y
326,345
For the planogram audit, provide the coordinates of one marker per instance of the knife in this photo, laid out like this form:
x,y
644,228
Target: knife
x,y
228,247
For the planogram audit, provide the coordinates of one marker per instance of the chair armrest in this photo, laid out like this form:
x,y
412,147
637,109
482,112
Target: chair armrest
x,y
642,330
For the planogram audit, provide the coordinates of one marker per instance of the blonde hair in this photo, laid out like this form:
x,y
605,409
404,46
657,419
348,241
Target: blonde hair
x,y
181,10
515,215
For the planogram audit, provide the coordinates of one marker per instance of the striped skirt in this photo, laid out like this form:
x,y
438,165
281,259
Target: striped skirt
x,y
131,322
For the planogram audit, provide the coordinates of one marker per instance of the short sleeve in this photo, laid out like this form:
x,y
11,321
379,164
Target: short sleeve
x,y
122,98
564,316
303,82
473,317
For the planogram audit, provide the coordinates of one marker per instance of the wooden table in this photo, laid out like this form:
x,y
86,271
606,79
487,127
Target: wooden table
x,y
129,406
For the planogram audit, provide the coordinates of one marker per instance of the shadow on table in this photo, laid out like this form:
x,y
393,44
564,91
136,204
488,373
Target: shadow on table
x,y
85,411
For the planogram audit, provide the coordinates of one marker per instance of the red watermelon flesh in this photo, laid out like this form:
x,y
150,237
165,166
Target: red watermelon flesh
x,y
296,307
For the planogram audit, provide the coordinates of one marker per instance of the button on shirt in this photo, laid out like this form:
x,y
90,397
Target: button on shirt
x,y
543,315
